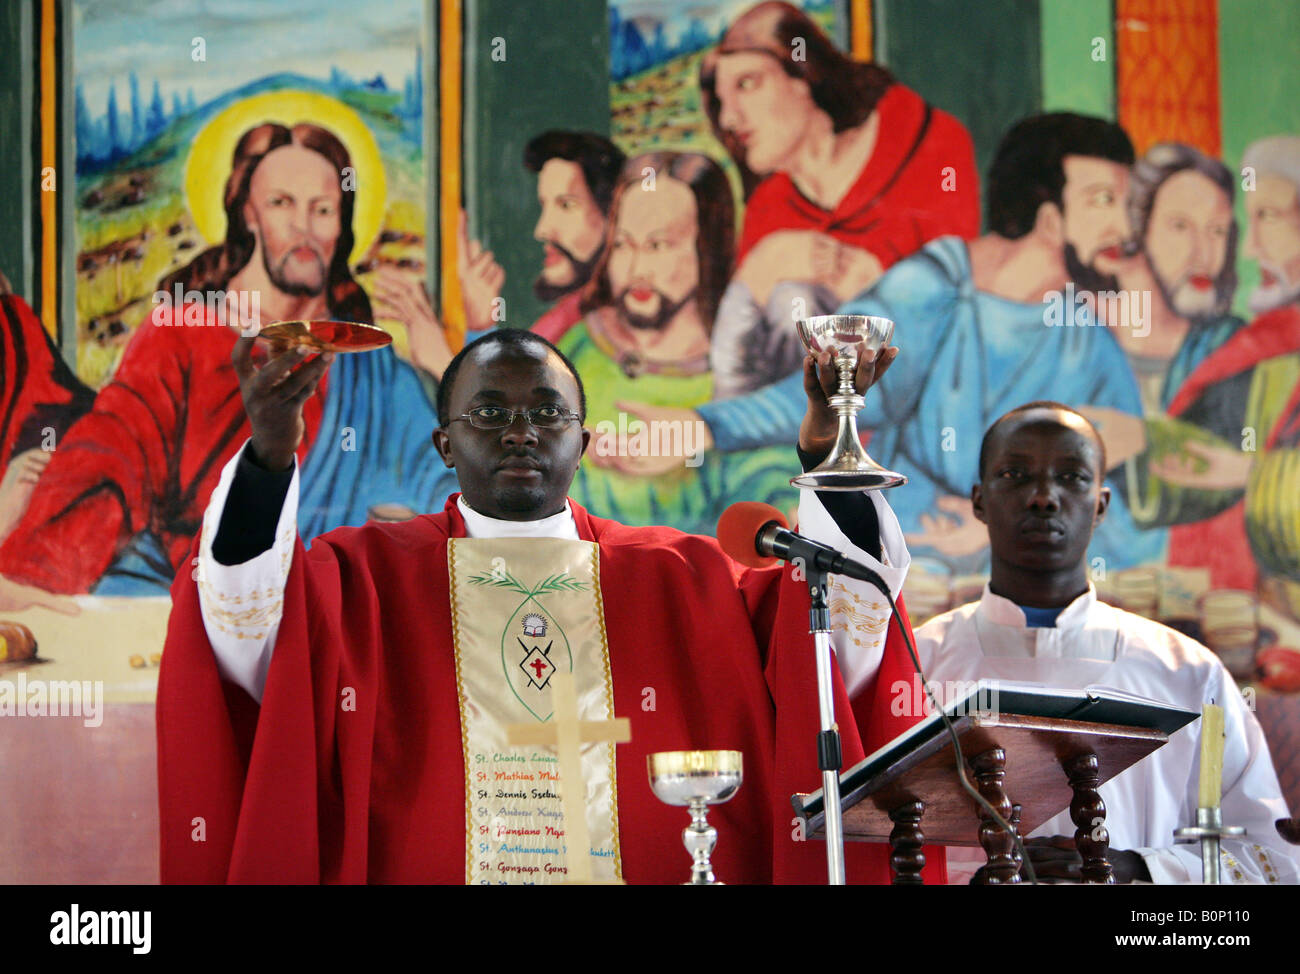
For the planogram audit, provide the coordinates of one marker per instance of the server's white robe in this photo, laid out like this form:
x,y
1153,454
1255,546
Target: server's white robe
x,y
1095,644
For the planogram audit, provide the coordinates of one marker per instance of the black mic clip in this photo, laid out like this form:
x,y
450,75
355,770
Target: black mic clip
x,y
813,557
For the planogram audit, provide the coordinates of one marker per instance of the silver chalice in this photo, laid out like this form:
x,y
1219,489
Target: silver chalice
x,y
696,779
848,336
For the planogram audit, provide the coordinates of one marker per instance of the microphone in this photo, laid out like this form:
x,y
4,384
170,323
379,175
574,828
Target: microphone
x,y
757,535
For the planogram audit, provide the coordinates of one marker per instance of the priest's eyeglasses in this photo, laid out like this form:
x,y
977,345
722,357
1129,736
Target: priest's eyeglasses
x,y
499,417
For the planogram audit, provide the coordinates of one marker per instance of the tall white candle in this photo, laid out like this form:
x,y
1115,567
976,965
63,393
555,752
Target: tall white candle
x,y
1211,756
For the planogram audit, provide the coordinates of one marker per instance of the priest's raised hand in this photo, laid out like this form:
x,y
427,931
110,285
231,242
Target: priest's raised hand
x,y
274,394
821,381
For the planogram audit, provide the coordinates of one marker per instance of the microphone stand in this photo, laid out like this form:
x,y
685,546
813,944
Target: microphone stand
x,y
815,559
829,756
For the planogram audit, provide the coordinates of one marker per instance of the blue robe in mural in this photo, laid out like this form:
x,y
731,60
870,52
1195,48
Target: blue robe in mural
x,y
1202,339
966,358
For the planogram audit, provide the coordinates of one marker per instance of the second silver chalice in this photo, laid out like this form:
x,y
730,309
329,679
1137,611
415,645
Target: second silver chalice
x,y
848,336
696,779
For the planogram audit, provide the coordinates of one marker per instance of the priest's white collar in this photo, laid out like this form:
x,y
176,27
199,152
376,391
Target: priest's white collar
x,y
561,525
1003,612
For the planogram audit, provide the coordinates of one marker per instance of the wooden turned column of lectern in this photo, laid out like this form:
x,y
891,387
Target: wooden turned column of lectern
x,y
1030,756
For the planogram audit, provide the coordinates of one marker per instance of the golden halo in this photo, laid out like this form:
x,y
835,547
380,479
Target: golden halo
x,y
208,165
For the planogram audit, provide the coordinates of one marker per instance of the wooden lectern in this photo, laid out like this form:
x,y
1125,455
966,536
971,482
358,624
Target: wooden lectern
x,y
1031,752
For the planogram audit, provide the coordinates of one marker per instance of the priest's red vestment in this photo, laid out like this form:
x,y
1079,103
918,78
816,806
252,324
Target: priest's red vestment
x,y
703,654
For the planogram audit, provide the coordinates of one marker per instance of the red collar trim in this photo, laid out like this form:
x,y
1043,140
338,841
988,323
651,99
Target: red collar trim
x,y
1273,333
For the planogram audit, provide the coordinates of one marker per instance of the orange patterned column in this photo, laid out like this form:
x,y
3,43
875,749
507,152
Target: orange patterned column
x,y
861,41
49,309
450,154
1168,76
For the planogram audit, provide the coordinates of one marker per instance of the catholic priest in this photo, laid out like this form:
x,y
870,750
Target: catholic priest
x,y
1040,493
339,714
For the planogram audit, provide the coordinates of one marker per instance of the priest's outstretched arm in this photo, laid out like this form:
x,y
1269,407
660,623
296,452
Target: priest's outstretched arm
x,y
251,521
864,527
245,552
250,524
859,524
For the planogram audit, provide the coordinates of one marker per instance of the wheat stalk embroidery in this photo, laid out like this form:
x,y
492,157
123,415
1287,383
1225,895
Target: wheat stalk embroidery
x,y
560,582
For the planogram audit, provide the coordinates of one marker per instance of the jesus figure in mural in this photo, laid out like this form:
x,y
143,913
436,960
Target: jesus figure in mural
x,y
119,502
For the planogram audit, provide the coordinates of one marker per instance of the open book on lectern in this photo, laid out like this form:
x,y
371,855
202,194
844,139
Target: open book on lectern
x,y
991,700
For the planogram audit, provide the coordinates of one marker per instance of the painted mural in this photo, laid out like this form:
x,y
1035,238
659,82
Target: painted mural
x,y
1134,256
206,197
852,193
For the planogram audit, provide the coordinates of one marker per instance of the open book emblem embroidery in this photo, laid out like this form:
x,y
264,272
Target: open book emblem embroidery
x,y
529,673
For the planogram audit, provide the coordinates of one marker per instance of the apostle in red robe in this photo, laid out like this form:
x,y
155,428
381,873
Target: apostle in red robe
x,y
1247,499
38,392
845,171
830,144
1240,489
316,709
